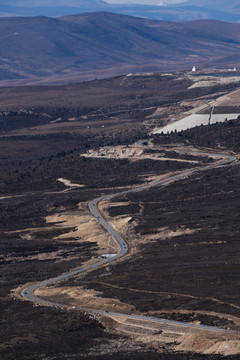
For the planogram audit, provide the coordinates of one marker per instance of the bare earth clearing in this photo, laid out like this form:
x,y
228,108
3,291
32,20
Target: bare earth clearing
x,y
223,108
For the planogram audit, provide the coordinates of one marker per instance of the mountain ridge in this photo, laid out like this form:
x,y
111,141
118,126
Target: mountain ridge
x,y
187,10
77,47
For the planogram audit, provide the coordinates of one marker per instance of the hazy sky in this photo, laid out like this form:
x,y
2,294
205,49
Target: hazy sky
x,y
145,2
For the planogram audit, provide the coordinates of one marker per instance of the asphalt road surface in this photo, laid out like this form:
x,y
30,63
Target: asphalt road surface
x,y
28,293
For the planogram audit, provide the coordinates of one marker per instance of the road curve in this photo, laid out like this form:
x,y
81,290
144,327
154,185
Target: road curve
x,y
28,293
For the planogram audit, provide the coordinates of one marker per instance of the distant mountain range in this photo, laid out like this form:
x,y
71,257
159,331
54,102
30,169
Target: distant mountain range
x,y
187,10
85,46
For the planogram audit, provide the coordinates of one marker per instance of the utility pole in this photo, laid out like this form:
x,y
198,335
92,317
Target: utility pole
x,y
210,116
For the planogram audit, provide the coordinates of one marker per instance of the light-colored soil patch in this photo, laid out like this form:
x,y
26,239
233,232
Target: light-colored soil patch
x,y
174,337
69,184
122,224
159,111
132,153
210,344
206,81
114,204
231,99
78,296
126,228
26,232
79,226
235,319
116,152
85,228
227,348
57,256
177,337
165,234
9,197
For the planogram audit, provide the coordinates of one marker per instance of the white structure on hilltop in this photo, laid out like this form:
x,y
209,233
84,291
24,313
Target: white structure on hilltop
x,y
194,68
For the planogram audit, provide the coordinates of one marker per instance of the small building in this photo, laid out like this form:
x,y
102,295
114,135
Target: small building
x,y
194,68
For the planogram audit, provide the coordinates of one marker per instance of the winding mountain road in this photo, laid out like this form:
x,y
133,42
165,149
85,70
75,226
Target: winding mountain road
x,y
28,293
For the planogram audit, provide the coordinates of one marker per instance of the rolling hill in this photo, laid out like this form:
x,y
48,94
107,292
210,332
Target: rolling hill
x,y
85,46
187,10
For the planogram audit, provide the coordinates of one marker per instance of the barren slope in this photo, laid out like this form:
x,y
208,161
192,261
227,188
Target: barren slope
x,y
100,44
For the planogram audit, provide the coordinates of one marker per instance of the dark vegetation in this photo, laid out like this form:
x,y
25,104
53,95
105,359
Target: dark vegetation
x,y
30,338
223,110
219,136
97,99
82,116
33,157
80,47
175,155
20,261
37,122
191,317
199,271
43,174
19,266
